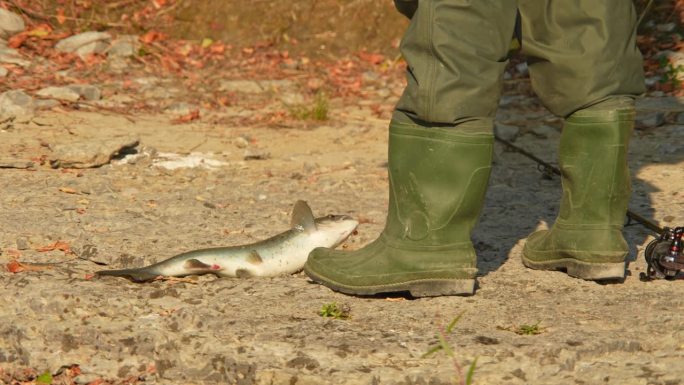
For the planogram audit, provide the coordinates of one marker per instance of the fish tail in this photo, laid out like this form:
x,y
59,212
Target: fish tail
x,y
135,275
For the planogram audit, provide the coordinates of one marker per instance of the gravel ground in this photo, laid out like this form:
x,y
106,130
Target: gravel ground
x,y
132,211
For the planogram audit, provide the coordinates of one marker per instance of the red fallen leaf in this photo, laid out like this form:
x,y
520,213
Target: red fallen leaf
x,y
14,267
152,36
81,210
17,40
59,245
88,277
192,115
372,58
61,17
17,267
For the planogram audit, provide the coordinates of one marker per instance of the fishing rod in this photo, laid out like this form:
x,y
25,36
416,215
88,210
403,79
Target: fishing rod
x,y
663,255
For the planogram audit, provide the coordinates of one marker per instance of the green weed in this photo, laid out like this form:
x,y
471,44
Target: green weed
x,y
333,310
317,110
443,345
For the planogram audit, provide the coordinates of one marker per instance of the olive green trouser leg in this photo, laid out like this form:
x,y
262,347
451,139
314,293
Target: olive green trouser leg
x,y
586,239
437,182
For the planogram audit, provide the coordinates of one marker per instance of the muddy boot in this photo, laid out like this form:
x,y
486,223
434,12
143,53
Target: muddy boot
x,y
586,240
437,179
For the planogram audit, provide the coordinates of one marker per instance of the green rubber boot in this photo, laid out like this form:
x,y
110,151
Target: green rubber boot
x,y
437,183
586,240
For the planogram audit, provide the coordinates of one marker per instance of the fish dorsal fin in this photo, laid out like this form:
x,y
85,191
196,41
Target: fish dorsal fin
x,y
302,217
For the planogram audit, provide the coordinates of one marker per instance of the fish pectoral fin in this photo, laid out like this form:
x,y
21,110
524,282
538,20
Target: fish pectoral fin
x,y
243,273
196,264
135,275
302,217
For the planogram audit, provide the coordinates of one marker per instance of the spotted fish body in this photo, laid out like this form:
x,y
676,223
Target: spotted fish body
x,y
284,253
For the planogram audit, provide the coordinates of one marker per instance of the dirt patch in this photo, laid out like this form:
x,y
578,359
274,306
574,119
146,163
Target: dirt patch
x,y
267,331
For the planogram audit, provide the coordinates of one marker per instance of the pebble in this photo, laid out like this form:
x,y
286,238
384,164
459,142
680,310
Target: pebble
x,y
254,86
16,104
506,131
124,46
3,72
86,91
59,93
545,131
240,142
180,108
680,118
11,56
650,119
10,23
89,154
85,43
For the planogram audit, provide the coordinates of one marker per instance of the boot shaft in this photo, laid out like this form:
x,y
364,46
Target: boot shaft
x,y
438,179
593,160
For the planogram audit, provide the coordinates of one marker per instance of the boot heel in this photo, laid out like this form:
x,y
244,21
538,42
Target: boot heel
x,y
597,271
439,287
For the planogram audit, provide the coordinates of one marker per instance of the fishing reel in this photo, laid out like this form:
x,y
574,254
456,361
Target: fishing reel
x,y
664,255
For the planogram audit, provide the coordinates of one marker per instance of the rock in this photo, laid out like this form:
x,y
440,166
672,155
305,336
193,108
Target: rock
x,y
16,105
180,108
254,86
506,131
3,72
59,93
10,23
650,119
90,154
124,46
522,68
45,104
86,91
12,56
544,131
85,43
666,27
680,118
240,142
666,104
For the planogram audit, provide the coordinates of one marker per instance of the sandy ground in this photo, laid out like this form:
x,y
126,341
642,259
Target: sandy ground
x,y
132,212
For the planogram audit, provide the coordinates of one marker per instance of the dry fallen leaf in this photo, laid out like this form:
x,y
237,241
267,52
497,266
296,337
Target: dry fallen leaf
x,y
17,267
192,115
59,245
68,190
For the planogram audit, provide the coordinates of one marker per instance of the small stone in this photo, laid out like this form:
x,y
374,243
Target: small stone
x,y
12,56
87,91
59,93
180,108
124,46
22,243
86,39
10,23
45,104
89,154
666,27
680,118
3,72
16,105
650,119
544,131
506,131
86,378
254,86
240,142
257,155
522,68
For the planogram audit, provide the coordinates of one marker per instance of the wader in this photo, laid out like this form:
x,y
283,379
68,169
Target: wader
x,y
584,66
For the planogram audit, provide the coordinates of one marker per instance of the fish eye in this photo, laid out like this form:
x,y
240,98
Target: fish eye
x,y
330,216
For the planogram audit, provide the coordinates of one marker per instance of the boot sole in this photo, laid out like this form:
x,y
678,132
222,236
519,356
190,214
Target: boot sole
x,y
578,269
418,288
